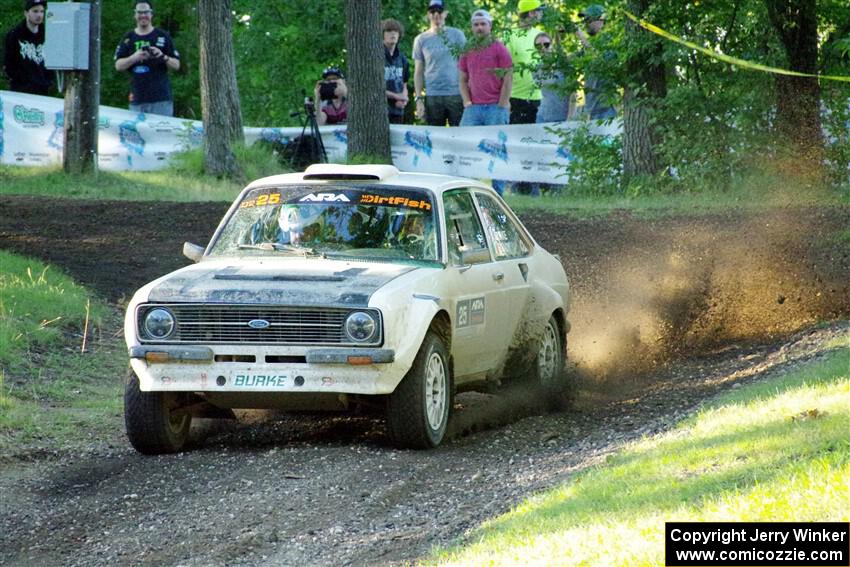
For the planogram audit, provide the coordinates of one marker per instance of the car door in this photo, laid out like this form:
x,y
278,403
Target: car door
x,y
511,251
471,282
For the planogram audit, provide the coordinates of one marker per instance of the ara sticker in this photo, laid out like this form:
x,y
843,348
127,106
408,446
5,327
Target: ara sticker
x,y
325,198
470,312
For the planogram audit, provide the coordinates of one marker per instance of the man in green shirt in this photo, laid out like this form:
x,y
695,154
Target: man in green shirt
x,y
525,93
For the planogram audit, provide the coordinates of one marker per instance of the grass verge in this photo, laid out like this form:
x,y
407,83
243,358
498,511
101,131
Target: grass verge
x,y
776,450
47,395
184,180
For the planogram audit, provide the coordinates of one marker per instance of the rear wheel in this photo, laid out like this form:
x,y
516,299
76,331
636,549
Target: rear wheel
x,y
154,422
418,410
552,379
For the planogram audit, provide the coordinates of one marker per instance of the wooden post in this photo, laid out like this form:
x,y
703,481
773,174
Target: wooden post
x,y
82,102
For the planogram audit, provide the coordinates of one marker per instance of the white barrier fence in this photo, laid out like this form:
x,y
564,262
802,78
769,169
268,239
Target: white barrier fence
x,y
31,134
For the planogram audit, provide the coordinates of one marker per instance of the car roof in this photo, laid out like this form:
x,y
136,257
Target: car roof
x,y
329,173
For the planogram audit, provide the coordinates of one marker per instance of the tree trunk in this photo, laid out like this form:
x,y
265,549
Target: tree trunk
x,y
220,107
82,106
798,98
646,85
368,124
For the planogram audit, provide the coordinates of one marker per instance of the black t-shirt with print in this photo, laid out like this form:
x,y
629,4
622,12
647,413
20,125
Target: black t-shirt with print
x,y
149,79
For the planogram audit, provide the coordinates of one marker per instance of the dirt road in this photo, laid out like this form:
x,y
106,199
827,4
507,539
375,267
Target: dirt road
x,y
667,312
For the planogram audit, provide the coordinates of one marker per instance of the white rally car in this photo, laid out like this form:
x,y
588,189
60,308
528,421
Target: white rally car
x,y
345,285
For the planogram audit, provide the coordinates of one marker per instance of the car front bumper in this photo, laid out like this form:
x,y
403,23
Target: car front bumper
x,y
190,368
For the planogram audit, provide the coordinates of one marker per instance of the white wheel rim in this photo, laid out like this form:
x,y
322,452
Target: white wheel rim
x,y
547,358
435,391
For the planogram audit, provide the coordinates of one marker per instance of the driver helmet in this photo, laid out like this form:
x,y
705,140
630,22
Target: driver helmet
x,y
294,219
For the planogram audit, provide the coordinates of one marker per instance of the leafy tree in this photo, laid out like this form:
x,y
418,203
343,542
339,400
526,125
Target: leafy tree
x,y
798,98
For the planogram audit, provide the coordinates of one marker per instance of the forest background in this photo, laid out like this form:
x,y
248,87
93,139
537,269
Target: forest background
x,y
705,122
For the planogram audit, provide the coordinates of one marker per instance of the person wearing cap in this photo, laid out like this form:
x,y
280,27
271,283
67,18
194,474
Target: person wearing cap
x,y
485,74
23,59
148,54
435,80
332,109
525,93
396,70
597,90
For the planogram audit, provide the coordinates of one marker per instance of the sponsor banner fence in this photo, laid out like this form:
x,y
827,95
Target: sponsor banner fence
x,y
31,133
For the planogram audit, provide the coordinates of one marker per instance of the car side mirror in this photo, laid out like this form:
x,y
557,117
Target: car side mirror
x,y
193,251
474,256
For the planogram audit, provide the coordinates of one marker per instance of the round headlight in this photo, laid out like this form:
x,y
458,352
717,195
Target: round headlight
x,y
360,326
158,323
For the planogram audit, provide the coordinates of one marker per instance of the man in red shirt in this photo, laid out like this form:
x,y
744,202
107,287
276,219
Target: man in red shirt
x,y
485,79
485,76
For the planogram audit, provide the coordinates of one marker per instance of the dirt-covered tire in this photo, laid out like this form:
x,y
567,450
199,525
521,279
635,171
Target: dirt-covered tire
x,y
151,426
418,410
553,381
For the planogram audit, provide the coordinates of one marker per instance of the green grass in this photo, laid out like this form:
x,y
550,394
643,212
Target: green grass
x,y
776,450
37,305
183,181
63,398
47,394
752,194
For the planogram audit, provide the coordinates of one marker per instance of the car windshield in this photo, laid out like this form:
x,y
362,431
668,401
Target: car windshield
x,y
370,223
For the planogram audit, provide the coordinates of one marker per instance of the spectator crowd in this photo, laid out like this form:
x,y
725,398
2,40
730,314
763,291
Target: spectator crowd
x,y
456,81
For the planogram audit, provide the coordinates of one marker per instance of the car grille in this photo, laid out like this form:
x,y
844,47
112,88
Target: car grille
x,y
228,324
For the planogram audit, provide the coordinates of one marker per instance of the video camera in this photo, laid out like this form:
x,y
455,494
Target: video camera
x,y
327,90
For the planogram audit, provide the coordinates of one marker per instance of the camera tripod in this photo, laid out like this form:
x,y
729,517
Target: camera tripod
x,y
308,145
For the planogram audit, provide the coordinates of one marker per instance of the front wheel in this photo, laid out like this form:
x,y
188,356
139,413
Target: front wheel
x,y
153,421
418,410
551,377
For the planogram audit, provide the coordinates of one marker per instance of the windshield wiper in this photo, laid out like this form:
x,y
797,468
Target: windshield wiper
x,y
277,246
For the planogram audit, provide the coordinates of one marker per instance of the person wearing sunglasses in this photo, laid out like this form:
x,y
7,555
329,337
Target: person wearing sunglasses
x,y
148,54
554,101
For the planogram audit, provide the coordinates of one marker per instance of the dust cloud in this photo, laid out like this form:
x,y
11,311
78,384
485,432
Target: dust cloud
x,y
685,287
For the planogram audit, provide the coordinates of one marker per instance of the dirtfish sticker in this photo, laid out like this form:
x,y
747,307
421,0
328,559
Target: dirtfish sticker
x,y
495,149
130,138
28,116
260,381
470,312
419,143
398,201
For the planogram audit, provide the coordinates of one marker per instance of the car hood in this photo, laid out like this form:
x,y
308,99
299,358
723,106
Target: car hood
x,y
290,282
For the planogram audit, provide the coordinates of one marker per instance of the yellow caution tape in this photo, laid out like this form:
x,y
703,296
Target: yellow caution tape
x,y
731,60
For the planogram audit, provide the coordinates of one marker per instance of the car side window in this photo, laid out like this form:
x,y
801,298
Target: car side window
x,y
463,227
501,230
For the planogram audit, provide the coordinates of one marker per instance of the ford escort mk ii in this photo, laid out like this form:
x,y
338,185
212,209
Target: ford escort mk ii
x,y
347,285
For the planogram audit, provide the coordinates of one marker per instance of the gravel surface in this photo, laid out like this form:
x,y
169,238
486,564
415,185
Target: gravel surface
x,y
320,490
668,312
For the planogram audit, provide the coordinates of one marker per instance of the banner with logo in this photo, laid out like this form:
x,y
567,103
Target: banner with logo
x,y
31,133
